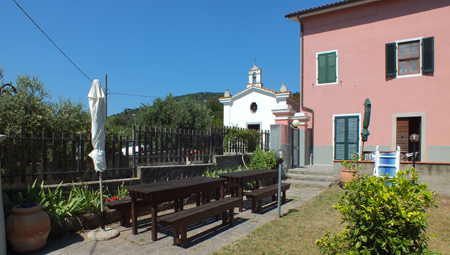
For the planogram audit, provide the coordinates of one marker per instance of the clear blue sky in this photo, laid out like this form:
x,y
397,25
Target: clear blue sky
x,y
151,48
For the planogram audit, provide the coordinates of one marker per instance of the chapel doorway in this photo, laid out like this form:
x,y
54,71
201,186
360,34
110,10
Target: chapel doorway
x,y
253,127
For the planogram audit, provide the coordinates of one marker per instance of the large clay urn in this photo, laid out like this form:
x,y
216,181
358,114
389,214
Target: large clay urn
x,y
347,175
27,228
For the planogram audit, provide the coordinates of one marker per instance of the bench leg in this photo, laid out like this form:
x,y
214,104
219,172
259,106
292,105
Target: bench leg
x,y
231,220
184,236
175,204
283,197
217,198
125,220
176,235
260,206
224,218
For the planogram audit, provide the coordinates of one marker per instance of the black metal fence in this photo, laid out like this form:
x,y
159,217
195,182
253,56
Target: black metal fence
x,y
56,157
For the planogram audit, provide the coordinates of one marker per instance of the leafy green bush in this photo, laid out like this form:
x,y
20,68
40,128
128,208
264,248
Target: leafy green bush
x,y
385,216
214,172
249,138
263,160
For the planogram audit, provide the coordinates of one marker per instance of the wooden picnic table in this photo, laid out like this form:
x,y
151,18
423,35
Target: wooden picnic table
x,y
166,191
243,177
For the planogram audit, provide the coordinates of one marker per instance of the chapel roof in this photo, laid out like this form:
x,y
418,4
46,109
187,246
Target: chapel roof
x,y
255,67
261,88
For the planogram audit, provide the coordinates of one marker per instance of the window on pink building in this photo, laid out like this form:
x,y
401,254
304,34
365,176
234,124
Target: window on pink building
x,y
410,57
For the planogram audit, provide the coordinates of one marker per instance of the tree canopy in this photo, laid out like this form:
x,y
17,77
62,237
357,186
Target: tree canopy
x,y
184,113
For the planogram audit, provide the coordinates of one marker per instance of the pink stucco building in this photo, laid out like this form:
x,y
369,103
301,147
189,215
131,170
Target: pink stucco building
x,y
394,52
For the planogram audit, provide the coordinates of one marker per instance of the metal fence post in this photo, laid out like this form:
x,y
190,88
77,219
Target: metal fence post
x,y
134,153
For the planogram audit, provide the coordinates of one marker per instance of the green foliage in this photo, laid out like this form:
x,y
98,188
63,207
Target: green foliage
x,y
249,138
28,108
67,116
185,113
296,95
384,215
263,160
90,201
352,164
214,172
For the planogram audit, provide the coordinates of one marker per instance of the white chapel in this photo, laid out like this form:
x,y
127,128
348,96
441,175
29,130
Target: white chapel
x,y
255,107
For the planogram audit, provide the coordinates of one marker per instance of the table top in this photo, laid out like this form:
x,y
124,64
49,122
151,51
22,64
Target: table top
x,y
173,184
248,173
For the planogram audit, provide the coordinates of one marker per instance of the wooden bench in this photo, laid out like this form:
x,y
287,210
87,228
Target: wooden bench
x,y
181,219
124,208
259,194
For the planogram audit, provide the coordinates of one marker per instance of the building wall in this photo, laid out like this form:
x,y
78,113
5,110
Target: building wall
x,y
359,35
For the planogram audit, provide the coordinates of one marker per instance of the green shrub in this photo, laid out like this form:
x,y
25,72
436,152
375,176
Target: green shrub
x,y
214,172
248,137
263,160
385,216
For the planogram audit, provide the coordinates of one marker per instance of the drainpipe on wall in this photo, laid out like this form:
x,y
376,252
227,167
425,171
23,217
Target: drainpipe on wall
x,y
301,91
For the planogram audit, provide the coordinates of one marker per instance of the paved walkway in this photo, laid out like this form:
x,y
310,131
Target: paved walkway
x,y
204,237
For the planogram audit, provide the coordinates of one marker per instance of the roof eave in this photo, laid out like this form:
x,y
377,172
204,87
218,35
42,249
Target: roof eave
x,y
325,9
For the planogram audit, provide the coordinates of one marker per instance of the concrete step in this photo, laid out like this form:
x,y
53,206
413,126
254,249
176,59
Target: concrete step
x,y
312,184
313,177
307,171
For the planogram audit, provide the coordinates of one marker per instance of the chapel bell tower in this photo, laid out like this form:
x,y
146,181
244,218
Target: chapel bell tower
x,y
254,77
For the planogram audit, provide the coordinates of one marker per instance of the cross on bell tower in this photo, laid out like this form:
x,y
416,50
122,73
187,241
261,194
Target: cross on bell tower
x,y
254,77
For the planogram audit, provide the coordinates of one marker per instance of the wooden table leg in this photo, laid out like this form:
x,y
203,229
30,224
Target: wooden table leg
x,y
241,195
154,222
134,229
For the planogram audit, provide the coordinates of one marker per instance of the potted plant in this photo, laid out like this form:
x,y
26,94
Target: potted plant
x,y
351,170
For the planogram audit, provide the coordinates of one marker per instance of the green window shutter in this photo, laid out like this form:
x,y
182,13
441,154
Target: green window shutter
x,y
428,55
322,68
326,65
331,67
391,59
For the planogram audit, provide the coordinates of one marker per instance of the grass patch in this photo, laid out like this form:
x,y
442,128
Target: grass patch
x,y
297,231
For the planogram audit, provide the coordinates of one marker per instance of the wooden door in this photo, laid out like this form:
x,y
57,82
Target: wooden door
x,y
403,134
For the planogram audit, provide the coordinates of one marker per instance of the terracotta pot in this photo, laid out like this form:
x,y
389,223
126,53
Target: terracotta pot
x,y
347,175
27,229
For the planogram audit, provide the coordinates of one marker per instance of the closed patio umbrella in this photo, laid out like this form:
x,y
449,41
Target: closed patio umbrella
x,y
97,107
365,132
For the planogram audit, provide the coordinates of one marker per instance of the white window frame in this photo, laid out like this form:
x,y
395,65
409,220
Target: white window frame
x,y
317,68
420,57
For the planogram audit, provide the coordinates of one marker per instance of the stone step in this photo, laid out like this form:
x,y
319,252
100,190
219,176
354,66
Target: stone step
x,y
308,171
312,184
305,177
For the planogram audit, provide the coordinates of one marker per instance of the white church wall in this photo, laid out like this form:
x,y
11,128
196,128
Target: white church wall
x,y
241,115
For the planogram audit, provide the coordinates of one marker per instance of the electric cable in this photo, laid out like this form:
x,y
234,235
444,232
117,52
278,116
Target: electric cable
x,y
52,41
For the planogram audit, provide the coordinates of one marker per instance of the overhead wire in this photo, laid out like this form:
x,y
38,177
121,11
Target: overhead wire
x,y
51,41
110,93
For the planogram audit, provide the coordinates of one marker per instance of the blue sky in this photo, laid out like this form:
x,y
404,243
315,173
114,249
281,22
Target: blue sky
x,y
151,48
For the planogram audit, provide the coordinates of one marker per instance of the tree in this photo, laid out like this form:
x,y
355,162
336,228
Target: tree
x,y
185,113
27,108
67,116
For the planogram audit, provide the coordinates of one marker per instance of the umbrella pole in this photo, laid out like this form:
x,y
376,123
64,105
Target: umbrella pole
x,y
102,213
